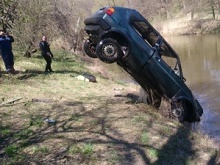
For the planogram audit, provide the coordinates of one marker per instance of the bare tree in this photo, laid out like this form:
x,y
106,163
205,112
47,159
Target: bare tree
x,y
33,16
63,19
54,18
8,13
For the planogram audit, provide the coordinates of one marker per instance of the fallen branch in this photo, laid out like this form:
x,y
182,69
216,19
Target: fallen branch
x,y
10,101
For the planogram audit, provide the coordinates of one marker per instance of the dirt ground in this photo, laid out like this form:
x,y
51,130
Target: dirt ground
x,y
95,123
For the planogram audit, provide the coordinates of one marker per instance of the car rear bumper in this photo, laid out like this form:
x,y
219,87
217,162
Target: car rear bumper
x,y
96,25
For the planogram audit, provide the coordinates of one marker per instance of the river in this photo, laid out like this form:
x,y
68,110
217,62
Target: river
x,y
200,59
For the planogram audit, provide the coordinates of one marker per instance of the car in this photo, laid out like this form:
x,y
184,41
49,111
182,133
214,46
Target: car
x,y
123,36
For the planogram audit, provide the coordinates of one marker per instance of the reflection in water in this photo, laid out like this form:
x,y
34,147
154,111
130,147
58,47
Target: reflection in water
x,y
200,59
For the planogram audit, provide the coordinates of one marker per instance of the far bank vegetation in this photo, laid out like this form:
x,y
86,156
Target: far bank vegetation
x,y
62,20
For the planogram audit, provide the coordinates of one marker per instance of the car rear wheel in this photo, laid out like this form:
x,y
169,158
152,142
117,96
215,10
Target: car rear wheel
x,y
108,50
89,49
179,110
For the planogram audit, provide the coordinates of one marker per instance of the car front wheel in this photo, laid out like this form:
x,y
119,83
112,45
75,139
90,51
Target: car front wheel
x,y
89,49
108,50
179,111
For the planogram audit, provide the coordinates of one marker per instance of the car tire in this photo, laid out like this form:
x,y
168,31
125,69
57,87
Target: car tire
x,y
179,111
89,49
199,109
109,50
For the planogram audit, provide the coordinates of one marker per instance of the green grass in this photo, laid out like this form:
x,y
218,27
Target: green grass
x,y
4,130
40,149
144,137
138,119
93,125
11,150
36,121
85,151
153,153
24,134
76,117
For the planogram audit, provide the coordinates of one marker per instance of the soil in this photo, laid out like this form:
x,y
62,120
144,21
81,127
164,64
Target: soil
x,y
95,123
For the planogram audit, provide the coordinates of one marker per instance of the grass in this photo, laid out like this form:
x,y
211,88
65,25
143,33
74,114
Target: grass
x,y
11,150
85,150
144,138
36,121
96,123
42,149
4,130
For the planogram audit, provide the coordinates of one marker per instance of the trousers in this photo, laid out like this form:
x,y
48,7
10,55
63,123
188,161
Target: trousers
x,y
48,60
8,59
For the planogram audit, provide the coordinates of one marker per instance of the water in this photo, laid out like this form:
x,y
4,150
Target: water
x,y
200,59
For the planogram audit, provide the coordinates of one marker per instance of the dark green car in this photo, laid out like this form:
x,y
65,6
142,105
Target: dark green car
x,y
124,36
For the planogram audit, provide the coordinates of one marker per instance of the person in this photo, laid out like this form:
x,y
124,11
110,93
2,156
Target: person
x,y
6,51
46,53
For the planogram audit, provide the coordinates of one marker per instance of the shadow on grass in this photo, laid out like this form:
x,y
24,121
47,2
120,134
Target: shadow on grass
x,y
133,98
215,158
36,72
77,124
178,149
59,58
28,74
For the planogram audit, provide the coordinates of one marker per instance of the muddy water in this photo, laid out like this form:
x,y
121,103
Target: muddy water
x,y
200,59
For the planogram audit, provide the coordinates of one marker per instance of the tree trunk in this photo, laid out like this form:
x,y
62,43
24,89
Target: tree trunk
x,y
184,4
29,50
192,15
213,12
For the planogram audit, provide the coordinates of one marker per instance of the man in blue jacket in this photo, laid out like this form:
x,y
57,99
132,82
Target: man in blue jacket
x,y
6,51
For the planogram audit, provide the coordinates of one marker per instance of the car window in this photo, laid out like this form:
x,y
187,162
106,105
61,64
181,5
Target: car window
x,y
153,38
145,31
170,57
165,50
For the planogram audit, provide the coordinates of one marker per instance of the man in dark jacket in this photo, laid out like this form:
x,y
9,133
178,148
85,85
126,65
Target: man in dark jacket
x,y
46,53
6,51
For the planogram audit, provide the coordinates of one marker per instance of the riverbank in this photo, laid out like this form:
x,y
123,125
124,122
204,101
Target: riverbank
x,y
186,26
95,123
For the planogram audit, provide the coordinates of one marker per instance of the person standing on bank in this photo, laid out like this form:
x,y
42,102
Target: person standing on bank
x,y
6,51
46,53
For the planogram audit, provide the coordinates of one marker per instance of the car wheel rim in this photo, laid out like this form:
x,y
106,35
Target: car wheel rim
x,y
108,50
91,46
92,49
177,112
